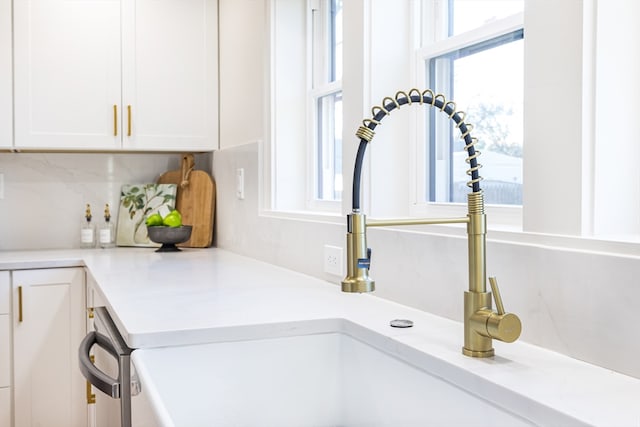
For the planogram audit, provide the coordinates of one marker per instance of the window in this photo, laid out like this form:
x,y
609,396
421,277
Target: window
x,y
575,71
305,170
475,58
328,159
326,102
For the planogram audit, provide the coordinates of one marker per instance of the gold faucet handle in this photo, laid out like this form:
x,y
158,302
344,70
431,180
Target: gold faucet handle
x,y
501,325
496,294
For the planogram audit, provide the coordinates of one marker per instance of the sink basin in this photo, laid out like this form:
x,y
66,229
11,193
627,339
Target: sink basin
x,y
326,379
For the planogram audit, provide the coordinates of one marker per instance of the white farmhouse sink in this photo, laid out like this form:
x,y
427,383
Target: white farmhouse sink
x,y
328,379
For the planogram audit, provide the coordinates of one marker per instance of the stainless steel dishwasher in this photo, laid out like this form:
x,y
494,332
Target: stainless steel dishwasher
x,y
107,337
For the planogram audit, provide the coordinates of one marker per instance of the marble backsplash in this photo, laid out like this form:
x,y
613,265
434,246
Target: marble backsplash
x,y
45,193
577,302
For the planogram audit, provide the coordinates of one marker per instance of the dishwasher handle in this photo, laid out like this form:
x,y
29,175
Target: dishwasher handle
x,y
108,385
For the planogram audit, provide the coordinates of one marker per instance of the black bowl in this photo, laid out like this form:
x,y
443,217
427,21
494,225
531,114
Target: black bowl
x,y
169,236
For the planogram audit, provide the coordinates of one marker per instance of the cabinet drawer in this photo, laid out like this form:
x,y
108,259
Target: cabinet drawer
x,y
5,352
5,292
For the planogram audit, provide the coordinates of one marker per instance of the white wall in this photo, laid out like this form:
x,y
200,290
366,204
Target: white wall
x,y
574,295
244,73
554,82
618,67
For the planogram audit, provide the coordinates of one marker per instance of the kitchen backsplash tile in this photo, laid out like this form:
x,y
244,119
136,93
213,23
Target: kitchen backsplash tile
x,y
45,193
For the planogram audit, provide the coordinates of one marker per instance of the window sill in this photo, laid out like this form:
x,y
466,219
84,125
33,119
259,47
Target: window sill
x,y
621,245
305,216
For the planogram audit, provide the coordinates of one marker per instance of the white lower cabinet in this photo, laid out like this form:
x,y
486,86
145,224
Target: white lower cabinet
x,y
5,406
48,324
5,349
5,371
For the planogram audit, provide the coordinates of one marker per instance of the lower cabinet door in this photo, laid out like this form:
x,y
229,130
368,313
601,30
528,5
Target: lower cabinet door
x,y
5,351
48,325
5,406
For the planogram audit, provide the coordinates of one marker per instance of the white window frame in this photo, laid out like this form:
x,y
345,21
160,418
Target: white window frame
x,y
564,193
434,45
320,59
289,173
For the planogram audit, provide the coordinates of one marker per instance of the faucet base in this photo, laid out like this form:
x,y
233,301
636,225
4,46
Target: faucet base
x,y
475,353
358,285
477,343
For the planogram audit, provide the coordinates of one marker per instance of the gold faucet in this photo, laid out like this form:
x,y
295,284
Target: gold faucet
x,y
481,323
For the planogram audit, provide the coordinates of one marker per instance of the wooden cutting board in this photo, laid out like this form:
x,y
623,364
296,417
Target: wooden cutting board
x,y
195,200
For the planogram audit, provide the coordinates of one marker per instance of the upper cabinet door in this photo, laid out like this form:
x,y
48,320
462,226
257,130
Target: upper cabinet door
x,y
67,74
170,80
137,75
6,115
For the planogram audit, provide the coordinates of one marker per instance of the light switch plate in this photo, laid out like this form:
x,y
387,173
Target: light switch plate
x,y
240,183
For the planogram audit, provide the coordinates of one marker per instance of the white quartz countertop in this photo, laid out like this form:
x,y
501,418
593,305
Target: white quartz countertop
x,y
210,295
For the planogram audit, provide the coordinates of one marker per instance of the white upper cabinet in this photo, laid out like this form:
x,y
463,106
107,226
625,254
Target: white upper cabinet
x,y
170,76
67,74
108,75
6,115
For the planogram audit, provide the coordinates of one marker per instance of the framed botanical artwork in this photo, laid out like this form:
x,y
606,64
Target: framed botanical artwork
x,y
137,202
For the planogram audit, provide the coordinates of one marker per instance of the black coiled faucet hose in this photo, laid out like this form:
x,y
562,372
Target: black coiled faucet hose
x,y
428,99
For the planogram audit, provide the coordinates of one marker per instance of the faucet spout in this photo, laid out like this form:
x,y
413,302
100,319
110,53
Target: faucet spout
x,y
481,323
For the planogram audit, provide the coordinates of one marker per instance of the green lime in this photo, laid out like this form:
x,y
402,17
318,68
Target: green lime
x,y
154,220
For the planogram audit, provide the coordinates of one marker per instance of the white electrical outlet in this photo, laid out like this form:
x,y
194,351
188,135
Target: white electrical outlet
x,y
333,260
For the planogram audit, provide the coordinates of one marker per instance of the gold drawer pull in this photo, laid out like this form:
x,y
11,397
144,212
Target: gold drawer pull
x,y
128,120
19,303
115,120
91,398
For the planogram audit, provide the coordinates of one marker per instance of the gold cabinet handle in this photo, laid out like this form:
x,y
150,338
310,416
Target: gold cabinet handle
x,y
115,120
19,303
128,120
91,397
